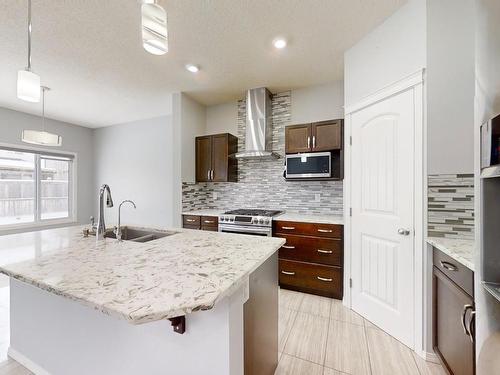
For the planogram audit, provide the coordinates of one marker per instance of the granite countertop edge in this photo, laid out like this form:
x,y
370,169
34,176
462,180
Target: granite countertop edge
x,y
461,250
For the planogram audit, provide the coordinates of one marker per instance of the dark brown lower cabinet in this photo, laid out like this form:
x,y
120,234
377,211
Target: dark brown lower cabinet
x,y
311,260
210,223
453,316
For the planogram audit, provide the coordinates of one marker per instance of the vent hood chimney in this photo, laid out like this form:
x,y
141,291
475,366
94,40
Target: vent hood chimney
x,y
259,129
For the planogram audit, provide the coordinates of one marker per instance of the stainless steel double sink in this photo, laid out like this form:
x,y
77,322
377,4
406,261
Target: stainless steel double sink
x,y
140,235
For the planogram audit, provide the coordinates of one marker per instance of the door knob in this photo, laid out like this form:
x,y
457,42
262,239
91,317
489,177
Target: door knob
x,y
403,232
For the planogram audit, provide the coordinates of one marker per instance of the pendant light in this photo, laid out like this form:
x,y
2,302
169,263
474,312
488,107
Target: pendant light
x,y
154,28
42,137
28,83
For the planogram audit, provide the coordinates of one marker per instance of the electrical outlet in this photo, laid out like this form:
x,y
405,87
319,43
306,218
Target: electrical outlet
x,y
215,196
317,197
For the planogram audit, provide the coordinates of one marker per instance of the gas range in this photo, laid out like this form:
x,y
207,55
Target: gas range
x,y
248,221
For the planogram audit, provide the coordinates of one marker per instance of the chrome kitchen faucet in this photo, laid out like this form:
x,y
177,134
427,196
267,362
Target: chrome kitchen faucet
x,y
118,229
101,226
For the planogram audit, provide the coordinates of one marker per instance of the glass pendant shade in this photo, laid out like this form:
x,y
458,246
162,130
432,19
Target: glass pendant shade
x,y
28,86
42,138
154,29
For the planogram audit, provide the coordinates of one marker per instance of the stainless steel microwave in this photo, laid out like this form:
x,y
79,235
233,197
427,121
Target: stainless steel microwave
x,y
311,165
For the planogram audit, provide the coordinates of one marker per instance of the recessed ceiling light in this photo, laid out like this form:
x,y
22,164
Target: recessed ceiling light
x,y
192,68
279,43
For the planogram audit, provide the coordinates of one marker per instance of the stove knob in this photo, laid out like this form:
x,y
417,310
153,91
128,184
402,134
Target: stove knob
x,y
232,219
261,221
266,221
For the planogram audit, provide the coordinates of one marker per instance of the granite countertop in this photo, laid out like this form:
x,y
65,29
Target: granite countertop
x,y
207,212
460,250
140,282
311,218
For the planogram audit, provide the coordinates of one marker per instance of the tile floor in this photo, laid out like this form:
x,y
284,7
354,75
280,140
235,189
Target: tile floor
x,y
317,336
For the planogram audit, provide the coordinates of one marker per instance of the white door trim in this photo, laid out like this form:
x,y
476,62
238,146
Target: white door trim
x,y
413,82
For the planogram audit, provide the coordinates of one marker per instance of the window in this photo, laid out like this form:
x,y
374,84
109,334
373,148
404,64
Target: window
x,y
35,187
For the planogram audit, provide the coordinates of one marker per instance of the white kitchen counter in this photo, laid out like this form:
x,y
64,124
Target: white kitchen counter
x,y
460,250
311,218
139,282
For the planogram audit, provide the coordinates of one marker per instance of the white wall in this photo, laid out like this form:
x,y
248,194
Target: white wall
x,y
392,51
190,119
137,161
222,118
487,104
309,104
450,86
317,103
76,139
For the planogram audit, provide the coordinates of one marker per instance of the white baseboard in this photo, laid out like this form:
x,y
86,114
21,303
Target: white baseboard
x,y
26,362
428,356
431,357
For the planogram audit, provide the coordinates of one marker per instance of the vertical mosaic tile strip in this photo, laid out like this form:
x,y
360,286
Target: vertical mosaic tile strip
x,y
260,181
451,206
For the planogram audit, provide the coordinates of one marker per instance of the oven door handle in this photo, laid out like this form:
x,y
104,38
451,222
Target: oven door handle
x,y
238,228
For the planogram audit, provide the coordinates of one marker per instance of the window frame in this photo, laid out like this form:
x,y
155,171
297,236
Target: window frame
x,y
40,153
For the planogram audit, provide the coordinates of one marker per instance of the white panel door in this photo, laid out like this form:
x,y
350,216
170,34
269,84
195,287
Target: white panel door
x,y
382,158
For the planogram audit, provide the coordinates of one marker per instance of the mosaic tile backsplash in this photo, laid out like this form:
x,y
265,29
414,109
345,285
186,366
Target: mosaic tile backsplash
x,y
260,181
451,206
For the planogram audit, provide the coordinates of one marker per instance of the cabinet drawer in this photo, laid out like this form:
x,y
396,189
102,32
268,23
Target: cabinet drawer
x,y
456,271
209,221
191,220
311,249
311,278
309,229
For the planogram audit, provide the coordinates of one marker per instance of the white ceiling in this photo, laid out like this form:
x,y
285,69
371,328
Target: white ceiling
x,y
89,52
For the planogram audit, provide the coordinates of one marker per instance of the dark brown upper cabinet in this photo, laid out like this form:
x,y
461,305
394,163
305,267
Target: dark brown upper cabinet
x,y
215,160
315,137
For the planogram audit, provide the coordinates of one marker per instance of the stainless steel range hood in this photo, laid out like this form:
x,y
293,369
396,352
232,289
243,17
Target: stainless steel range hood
x,y
259,129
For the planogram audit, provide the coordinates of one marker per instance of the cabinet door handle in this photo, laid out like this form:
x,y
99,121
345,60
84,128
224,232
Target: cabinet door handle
x,y
212,174
449,266
208,175
190,220
314,141
325,251
288,228
472,329
464,316
209,221
288,247
324,279
308,142
288,273
325,230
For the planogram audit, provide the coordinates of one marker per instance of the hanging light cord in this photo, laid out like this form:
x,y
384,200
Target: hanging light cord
x,y
43,108
44,89
29,36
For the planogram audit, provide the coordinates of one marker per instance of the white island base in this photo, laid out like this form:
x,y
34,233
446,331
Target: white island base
x,y
54,335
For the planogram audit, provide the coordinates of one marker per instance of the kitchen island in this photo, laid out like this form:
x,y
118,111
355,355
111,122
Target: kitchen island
x,y
81,307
